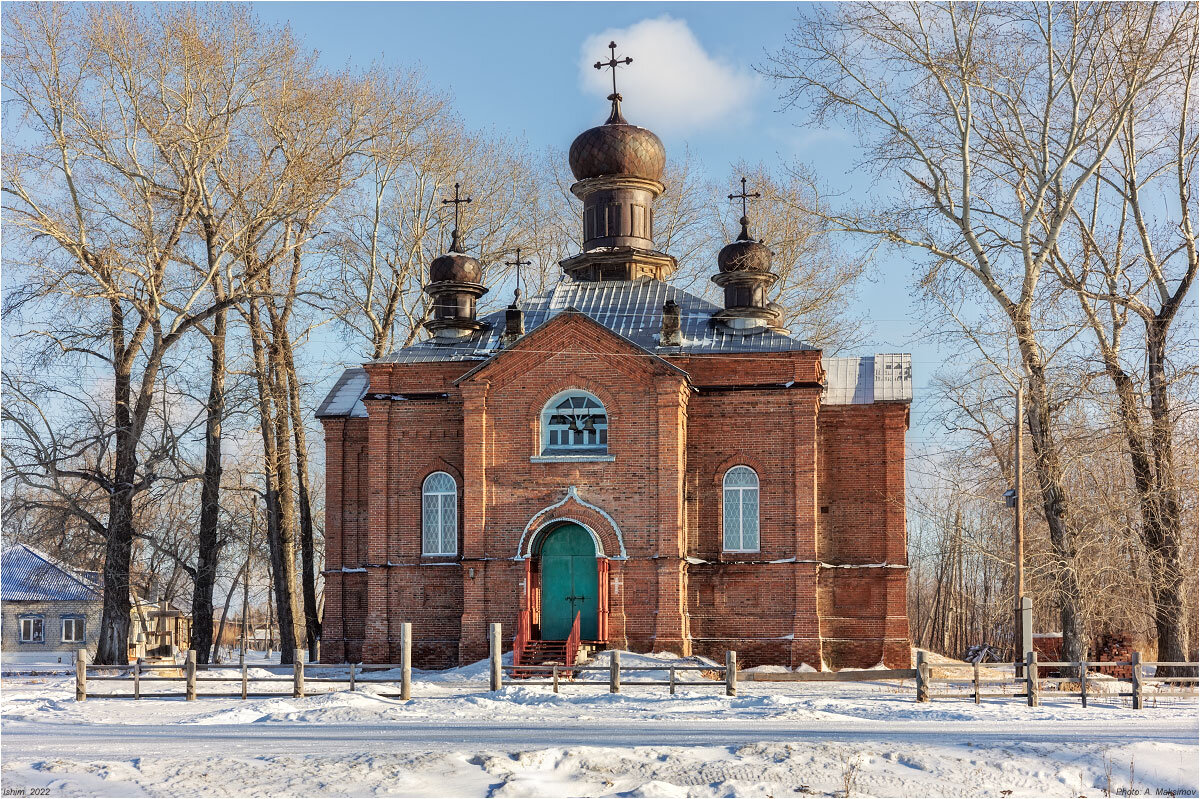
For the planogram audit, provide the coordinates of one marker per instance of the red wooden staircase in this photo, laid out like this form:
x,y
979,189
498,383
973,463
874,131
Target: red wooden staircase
x,y
528,651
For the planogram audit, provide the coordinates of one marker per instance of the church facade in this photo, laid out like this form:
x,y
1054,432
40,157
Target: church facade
x,y
669,474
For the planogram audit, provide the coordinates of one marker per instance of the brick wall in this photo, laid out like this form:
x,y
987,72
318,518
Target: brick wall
x,y
831,490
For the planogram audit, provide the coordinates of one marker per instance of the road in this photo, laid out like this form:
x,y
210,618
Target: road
x,y
24,741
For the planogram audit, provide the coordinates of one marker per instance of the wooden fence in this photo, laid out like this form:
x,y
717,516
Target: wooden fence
x,y
1077,673
191,676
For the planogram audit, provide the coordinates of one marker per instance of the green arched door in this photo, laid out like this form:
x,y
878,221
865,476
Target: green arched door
x,y
570,584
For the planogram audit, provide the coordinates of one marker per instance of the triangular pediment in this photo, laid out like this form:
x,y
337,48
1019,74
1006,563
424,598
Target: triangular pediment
x,y
583,336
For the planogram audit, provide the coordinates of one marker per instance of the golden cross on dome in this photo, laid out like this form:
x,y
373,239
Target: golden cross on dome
x,y
612,63
457,201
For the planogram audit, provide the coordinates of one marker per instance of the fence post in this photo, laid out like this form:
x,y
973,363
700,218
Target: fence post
x,y
406,660
614,673
189,672
1136,673
245,679
672,680
975,681
137,678
80,675
352,688
730,673
922,677
1083,666
1031,678
297,673
555,670
494,647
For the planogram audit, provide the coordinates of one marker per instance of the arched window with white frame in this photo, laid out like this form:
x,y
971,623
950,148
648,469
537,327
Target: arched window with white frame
x,y
740,494
439,515
574,423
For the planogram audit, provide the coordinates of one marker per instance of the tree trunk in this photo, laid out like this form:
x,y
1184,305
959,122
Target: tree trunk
x,y
1165,530
113,644
281,543
1055,507
224,615
208,544
312,619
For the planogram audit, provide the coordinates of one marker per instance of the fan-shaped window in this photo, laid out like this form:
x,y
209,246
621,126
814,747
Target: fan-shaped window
x,y
574,424
439,515
741,510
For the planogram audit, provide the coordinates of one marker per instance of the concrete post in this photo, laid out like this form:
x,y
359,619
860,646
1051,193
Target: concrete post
x,y
1136,674
730,673
922,677
1031,678
494,650
975,680
352,687
406,660
137,679
80,675
297,673
245,679
189,672
614,673
1083,670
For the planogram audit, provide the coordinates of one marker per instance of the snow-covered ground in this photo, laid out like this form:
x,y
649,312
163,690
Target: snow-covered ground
x,y
455,738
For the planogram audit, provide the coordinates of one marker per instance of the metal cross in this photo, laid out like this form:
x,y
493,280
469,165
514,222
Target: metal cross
x,y
744,196
457,201
518,263
613,62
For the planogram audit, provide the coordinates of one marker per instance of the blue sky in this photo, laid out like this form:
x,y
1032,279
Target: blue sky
x,y
523,68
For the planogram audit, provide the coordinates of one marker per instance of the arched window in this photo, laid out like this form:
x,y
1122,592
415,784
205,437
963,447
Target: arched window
x,y
439,515
741,510
574,424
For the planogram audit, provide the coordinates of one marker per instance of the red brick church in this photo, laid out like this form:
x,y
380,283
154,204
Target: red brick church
x,y
668,474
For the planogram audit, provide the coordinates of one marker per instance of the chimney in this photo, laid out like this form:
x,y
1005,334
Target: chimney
x,y
514,320
671,334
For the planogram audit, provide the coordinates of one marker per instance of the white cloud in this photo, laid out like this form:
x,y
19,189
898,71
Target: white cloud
x,y
673,85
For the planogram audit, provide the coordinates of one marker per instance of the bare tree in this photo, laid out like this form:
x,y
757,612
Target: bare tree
x,y
1119,257
114,135
994,119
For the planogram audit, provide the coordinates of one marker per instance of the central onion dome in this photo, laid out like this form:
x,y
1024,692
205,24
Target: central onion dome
x,y
617,148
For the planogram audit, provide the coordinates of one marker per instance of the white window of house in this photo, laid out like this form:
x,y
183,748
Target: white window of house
x,y
574,424
741,509
439,515
32,631
72,629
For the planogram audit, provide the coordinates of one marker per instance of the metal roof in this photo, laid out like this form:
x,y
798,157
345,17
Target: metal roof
x,y
629,308
27,575
886,377
633,309
345,398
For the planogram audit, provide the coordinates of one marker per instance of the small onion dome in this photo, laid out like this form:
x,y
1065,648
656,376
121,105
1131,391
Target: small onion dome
x,y
617,148
745,254
455,266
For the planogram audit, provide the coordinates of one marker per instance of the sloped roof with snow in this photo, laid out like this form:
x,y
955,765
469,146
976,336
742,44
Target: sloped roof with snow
x,y
27,575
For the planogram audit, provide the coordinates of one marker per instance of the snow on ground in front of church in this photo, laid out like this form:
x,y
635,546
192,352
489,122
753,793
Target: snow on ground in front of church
x,y
455,738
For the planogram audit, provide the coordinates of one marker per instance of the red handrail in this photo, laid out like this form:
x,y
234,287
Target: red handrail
x,y
572,651
521,639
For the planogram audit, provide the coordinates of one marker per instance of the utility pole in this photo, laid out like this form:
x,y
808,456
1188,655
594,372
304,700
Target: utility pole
x,y
1018,529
